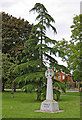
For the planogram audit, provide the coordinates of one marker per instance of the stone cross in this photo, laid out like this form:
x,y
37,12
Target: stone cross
x,y
49,74
49,105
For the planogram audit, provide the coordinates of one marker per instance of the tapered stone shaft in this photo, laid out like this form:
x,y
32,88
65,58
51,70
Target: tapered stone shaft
x,y
49,93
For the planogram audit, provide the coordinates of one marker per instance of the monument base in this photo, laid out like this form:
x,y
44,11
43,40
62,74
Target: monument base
x,y
49,106
49,111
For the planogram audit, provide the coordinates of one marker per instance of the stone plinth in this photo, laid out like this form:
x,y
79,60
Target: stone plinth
x,y
49,106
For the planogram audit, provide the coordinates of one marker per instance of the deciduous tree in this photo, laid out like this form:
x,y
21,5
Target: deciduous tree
x,y
14,33
72,49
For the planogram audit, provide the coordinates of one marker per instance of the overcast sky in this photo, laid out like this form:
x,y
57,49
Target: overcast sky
x,y
62,11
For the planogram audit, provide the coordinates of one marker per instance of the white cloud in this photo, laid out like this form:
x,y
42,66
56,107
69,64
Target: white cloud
x,y
7,3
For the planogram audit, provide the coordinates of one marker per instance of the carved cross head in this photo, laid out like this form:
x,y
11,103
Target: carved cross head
x,y
49,73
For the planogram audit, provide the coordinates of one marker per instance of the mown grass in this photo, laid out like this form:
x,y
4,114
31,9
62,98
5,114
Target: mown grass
x,y
24,105
71,93
0,105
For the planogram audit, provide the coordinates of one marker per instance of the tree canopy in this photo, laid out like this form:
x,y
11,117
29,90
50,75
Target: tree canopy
x,y
14,33
38,52
72,49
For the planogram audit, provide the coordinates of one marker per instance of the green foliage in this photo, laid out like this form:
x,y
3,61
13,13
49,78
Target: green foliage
x,y
71,51
76,28
65,80
60,85
30,77
76,50
80,84
14,33
7,66
38,53
75,57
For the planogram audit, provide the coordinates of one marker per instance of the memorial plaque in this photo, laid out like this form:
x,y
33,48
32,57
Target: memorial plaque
x,y
50,106
46,105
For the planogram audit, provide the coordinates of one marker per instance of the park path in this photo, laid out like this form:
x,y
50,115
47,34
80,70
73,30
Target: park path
x,y
70,91
59,90
72,95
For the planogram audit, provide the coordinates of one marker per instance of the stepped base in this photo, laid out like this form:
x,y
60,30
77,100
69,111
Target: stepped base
x,y
49,111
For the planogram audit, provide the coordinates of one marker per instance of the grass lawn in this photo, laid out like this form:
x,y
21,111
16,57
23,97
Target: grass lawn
x,y
23,106
71,93
0,105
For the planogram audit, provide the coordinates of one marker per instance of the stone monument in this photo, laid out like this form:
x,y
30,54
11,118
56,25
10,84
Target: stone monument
x,y
49,105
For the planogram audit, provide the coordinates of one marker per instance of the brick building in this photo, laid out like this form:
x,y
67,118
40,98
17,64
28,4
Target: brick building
x,y
62,77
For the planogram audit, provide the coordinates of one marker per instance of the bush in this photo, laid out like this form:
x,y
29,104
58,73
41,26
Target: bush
x,y
68,85
7,86
80,84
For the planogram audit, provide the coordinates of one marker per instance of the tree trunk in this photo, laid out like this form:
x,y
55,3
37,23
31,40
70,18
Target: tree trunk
x,y
58,97
14,87
3,86
41,44
39,97
12,90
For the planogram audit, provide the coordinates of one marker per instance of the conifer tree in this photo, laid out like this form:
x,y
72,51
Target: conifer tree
x,y
38,53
